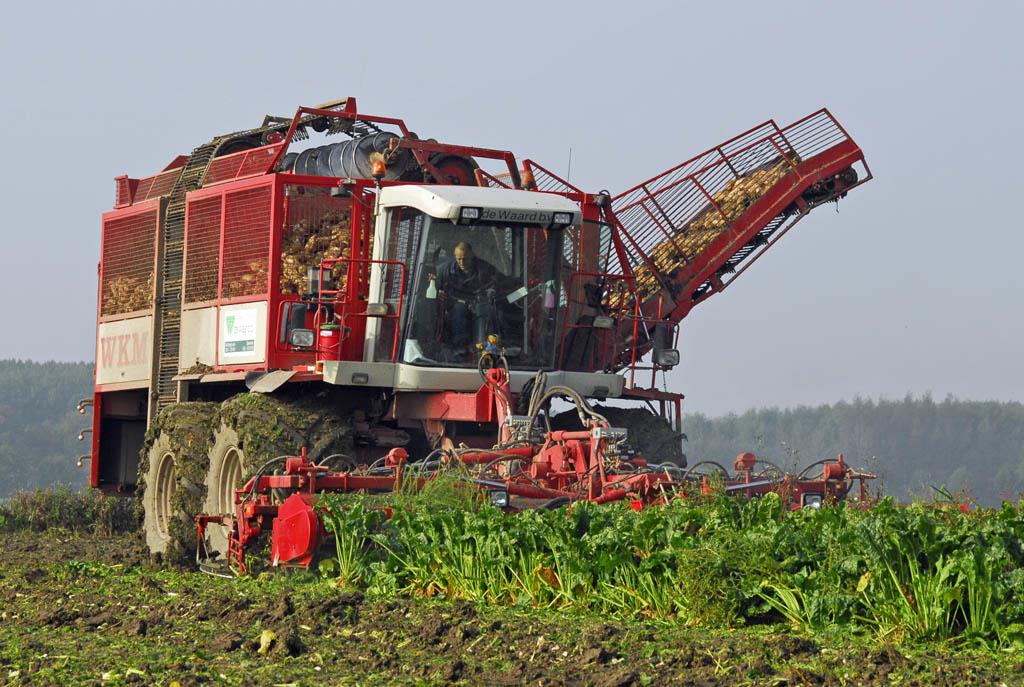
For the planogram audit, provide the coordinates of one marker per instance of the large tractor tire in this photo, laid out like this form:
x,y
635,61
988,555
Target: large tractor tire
x,y
170,490
650,435
255,429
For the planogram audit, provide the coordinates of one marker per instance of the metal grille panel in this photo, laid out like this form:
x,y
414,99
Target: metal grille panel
x,y
157,185
202,249
127,263
489,180
122,191
318,228
406,232
244,164
246,242
223,169
547,180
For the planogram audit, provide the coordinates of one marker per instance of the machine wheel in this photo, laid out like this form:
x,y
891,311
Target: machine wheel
x,y
649,435
228,471
254,430
156,500
169,493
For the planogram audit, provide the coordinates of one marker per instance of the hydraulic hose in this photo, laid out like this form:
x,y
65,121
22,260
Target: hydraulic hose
x,y
583,408
690,469
491,385
262,471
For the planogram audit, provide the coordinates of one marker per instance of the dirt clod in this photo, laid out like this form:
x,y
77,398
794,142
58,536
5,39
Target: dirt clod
x,y
226,642
282,610
289,643
617,678
594,654
137,628
60,616
451,672
35,574
102,618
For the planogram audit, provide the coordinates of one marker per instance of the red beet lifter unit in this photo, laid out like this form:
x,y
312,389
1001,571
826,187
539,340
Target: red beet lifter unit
x,y
297,533
560,468
583,306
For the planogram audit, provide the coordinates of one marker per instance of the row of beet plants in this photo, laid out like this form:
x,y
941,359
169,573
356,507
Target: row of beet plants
x,y
899,573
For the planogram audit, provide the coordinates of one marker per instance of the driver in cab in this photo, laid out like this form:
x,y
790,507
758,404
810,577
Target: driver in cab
x,y
463,284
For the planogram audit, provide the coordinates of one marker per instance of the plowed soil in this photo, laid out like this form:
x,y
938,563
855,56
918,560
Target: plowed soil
x,y
93,610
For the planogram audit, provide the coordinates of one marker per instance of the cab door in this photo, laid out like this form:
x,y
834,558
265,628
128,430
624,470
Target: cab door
x,y
397,256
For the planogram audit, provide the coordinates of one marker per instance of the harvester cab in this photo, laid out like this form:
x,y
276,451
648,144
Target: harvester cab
x,y
481,262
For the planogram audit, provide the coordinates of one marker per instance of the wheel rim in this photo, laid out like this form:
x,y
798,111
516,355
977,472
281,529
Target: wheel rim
x,y
230,479
165,485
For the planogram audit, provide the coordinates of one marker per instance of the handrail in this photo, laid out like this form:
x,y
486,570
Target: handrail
x,y
327,264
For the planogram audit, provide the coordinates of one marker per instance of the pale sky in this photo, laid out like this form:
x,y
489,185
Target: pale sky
x,y
912,287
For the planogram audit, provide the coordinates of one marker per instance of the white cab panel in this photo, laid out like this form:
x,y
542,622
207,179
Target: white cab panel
x,y
198,337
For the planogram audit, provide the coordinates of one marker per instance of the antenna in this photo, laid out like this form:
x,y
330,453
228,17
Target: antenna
x,y
568,171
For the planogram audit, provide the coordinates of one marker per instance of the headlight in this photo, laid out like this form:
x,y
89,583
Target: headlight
x,y
561,219
498,498
666,357
469,215
812,501
301,338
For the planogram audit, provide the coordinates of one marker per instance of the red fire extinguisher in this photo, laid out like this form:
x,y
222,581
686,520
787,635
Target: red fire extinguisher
x,y
329,343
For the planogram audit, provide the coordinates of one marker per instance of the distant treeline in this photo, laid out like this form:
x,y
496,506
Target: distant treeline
x,y
914,444
39,425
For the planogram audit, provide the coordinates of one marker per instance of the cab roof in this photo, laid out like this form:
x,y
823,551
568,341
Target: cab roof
x,y
445,201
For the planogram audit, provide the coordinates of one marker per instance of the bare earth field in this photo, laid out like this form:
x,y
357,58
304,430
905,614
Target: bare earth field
x,y
92,610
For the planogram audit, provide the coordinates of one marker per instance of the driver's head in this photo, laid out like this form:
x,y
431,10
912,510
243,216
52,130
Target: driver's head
x,y
463,255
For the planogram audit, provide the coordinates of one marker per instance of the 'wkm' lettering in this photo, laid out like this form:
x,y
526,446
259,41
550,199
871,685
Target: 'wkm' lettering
x,y
130,349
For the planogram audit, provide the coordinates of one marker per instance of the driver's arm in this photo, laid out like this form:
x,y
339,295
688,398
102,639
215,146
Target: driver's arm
x,y
441,280
488,275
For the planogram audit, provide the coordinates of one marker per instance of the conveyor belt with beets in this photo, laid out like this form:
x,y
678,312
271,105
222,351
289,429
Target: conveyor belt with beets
x,y
689,231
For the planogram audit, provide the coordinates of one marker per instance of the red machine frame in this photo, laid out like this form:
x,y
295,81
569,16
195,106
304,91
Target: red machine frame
x,y
818,151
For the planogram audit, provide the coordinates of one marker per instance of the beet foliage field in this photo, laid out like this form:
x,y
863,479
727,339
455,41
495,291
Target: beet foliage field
x,y
894,573
723,592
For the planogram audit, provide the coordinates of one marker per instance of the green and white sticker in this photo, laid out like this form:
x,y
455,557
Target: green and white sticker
x,y
238,332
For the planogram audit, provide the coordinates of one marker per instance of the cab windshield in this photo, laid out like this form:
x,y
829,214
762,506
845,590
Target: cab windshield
x,y
468,282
